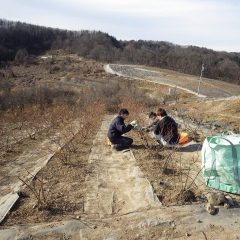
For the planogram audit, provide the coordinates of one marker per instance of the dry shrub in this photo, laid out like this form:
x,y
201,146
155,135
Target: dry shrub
x,y
181,177
177,177
40,189
71,141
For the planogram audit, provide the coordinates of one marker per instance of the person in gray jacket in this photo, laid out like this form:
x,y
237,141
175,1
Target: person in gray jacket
x,y
118,128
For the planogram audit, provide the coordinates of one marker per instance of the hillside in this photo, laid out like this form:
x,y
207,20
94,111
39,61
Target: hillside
x,y
18,40
61,180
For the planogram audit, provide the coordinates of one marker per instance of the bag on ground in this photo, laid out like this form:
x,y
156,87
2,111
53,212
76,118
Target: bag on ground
x,y
221,162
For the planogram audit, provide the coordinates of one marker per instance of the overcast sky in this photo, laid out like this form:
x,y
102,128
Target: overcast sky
x,y
206,23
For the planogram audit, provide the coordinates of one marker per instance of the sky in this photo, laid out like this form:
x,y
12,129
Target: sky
x,y
213,24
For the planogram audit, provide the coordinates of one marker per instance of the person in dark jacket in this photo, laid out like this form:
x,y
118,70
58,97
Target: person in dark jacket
x,y
167,129
118,128
154,122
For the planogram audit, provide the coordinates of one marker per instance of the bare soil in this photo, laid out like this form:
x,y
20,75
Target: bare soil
x,y
170,173
219,115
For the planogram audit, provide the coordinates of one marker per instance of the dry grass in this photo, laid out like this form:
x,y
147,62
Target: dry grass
x,y
57,192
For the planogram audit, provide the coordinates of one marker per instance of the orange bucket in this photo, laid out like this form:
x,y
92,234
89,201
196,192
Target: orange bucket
x,y
183,138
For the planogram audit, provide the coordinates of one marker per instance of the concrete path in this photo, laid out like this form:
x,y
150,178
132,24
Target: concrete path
x,y
117,186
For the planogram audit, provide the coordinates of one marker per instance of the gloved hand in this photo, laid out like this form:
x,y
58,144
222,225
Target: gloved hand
x,y
133,123
135,126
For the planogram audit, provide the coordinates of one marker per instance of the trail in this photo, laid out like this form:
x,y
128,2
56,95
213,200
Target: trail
x,y
117,186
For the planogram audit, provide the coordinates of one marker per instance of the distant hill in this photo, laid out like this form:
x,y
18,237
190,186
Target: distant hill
x,y
17,36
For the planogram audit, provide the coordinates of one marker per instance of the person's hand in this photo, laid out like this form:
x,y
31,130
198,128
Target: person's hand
x,y
135,126
133,123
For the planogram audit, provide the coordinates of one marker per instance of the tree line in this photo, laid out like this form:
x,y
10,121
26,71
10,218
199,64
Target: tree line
x,y
17,39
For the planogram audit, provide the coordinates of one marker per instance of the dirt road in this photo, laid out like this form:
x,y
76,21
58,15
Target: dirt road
x,y
209,87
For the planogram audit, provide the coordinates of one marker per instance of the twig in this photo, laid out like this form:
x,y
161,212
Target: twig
x,y
195,178
204,235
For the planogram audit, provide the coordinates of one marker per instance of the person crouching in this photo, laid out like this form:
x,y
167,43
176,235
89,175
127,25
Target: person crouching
x,y
154,121
166,131
118,128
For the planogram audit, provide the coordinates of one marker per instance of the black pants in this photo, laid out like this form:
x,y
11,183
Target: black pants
x,y
121,142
